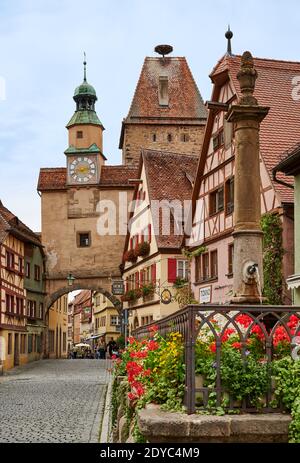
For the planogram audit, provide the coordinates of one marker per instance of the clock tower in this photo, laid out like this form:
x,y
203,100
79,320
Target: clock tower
x,y
84,154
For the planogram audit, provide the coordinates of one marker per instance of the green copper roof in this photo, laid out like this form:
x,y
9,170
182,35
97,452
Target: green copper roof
x,y
85,89
84,117
92,149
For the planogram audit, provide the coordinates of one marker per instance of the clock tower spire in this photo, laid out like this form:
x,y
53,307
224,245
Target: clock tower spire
x,y
85,152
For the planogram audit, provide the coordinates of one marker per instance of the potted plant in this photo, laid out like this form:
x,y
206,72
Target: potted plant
x,y
142,249
130,256
147,290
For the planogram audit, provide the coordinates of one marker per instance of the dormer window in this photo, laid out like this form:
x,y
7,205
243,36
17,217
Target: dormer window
x,y
79,134
163,94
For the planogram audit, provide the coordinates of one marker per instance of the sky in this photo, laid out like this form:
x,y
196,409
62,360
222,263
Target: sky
x,y
41,53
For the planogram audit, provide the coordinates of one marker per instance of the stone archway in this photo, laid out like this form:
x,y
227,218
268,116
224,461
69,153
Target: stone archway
x,y
52,297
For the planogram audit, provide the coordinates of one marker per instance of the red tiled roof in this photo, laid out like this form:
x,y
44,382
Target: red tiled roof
x,y
185,101
9,223
56,178
280,130
169,177
83,296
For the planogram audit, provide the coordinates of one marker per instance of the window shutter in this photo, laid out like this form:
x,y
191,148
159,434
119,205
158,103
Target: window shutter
x,y
131,243
149,232
142,238
142,277
171,270
153,273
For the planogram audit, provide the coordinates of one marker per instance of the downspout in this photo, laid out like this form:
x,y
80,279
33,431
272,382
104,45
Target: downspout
x,y
281,182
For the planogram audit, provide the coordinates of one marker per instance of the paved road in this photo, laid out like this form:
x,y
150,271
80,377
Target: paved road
x,y
53,401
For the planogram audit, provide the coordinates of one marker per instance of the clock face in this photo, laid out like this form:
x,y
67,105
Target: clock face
x,y
82,169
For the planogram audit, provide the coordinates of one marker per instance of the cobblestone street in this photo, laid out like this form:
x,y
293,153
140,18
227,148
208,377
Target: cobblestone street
x,y
53,401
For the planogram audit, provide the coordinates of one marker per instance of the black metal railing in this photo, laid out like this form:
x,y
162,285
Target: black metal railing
x,y
193,320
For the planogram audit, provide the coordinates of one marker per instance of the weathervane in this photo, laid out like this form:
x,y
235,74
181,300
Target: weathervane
x,y
229,35
84,67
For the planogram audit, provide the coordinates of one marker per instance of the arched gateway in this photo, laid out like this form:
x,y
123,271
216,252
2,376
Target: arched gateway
x,y
52,297
72,200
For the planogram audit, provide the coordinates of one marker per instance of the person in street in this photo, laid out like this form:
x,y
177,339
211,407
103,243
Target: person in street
x,y
112,346
101,349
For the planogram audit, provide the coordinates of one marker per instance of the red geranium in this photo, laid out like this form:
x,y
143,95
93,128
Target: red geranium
x,y
237,345
152,345
213,347
257,330
227,334
244,320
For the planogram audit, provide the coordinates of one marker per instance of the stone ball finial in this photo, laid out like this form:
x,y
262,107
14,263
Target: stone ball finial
x,y
229,34
247,77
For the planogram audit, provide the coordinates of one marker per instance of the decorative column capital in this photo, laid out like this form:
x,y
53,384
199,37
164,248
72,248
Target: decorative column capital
x,y
247,76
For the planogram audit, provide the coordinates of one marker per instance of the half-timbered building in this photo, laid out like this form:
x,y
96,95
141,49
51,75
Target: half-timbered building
x,y
14,237
213,195
154,265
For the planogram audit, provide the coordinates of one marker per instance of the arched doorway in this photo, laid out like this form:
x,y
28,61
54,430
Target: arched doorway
x,y
53,301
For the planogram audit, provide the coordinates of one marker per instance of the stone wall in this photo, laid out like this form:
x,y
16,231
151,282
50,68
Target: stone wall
x,y
138,137
158,426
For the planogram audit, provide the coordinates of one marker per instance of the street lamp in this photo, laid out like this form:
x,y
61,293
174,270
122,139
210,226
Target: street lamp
x,y
70,279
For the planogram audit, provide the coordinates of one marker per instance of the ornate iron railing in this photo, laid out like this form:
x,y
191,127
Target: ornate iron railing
x,y
197,320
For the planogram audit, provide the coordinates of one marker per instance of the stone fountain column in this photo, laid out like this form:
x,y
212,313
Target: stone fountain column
x,y
246,117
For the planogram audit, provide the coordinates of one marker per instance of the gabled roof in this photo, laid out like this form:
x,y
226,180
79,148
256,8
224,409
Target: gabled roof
x,y
281,128
169,177
55,178
185,101
82,297
9,223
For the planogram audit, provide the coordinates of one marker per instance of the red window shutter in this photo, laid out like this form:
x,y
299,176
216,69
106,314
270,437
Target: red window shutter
x,y
131,243
137,240
149,231
142,237
137,280
153,273
172,270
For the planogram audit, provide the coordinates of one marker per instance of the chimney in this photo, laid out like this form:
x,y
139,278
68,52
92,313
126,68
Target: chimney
x,y
247,116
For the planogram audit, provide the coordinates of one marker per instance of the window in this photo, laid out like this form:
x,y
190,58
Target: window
x,y
205,266
41,311
229,196
21,267
103,321
19,306
184,137
214,264
218,140
10,260
84,240
216,201
37,272
9,303
9,344
27,270
182,269
230,259
163,94
114,320
169,137
79,134
154,138
198,268
98,300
